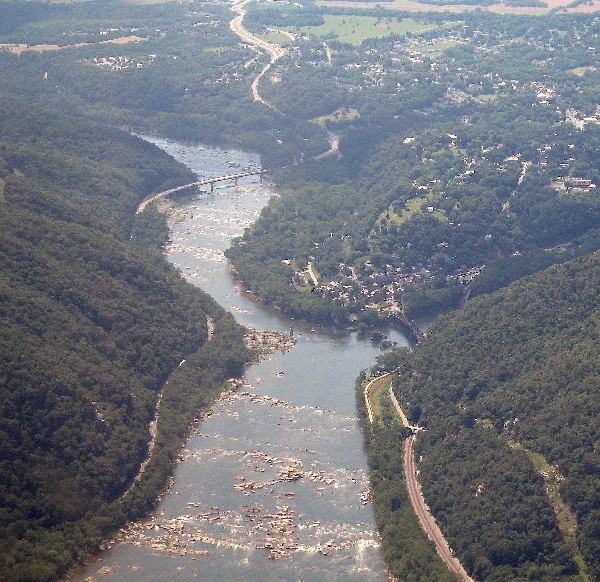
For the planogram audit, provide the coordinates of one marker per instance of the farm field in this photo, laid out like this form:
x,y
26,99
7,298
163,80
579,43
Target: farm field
x,y
355,29
500,8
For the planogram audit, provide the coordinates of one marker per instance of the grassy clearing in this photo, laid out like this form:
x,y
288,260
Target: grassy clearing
x,y
355,29
413,206
583,576
305,282
342,114
581,71
276,38
567,522
378,388
435,49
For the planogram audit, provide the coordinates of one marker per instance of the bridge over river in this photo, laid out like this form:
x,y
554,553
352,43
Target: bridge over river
x,y
205,182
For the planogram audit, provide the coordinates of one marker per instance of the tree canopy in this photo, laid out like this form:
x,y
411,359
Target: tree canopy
x,y
93,323
507,381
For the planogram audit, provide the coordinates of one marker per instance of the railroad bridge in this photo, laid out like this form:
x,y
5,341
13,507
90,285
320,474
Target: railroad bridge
x,y
199,184
409,326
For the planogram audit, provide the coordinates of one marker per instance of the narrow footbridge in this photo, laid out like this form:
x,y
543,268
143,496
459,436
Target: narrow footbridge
x,y
200,183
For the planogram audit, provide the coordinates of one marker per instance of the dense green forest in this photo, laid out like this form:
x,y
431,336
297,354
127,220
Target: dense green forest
x,y
187,78
464,155
509,465
458,136
93,324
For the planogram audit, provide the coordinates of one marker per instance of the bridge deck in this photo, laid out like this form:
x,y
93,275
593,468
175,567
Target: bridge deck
x,y
204,182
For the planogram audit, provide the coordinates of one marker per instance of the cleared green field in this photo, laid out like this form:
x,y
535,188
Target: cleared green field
x,y
375,393
276,38
343,114
582,71
413,206
435,49
355,29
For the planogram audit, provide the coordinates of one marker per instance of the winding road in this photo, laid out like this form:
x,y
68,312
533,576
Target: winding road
x,y
274,50
334,146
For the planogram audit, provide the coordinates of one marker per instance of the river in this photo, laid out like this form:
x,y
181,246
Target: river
x,y
272,486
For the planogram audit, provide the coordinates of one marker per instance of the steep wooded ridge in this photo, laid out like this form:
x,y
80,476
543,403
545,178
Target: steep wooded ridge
x,y
93,322
508,388
464,140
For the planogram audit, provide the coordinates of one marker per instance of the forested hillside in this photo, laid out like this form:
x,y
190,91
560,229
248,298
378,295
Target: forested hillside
x,y
179,71
93,323
468,157
464,153
466,145
508,388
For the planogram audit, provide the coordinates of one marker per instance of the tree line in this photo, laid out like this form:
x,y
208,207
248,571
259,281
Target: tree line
x,y
512,372
93,324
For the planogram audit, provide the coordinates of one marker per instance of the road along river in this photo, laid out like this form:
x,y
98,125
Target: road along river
x,y
272,485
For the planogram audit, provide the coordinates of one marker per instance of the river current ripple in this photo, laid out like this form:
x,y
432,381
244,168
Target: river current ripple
x,y
272,485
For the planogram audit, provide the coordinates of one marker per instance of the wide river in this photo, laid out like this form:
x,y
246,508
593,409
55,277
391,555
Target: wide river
x,y
272,485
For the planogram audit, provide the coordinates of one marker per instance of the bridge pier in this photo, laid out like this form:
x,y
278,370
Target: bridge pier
x,y
199,184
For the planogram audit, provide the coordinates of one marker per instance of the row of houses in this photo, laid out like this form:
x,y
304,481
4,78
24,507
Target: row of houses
x,y
376,289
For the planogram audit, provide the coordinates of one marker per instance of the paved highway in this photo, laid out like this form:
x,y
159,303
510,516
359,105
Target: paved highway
x,y
274,50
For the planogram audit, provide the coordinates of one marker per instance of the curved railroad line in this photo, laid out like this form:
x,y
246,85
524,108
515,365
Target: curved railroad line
x,y
427,521
210,328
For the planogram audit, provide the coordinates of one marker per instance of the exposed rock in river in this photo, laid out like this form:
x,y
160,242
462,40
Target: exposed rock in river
x,y
263,343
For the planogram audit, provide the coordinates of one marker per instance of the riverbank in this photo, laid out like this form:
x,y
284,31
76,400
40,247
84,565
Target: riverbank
x,y
373,396
396,494
289,437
